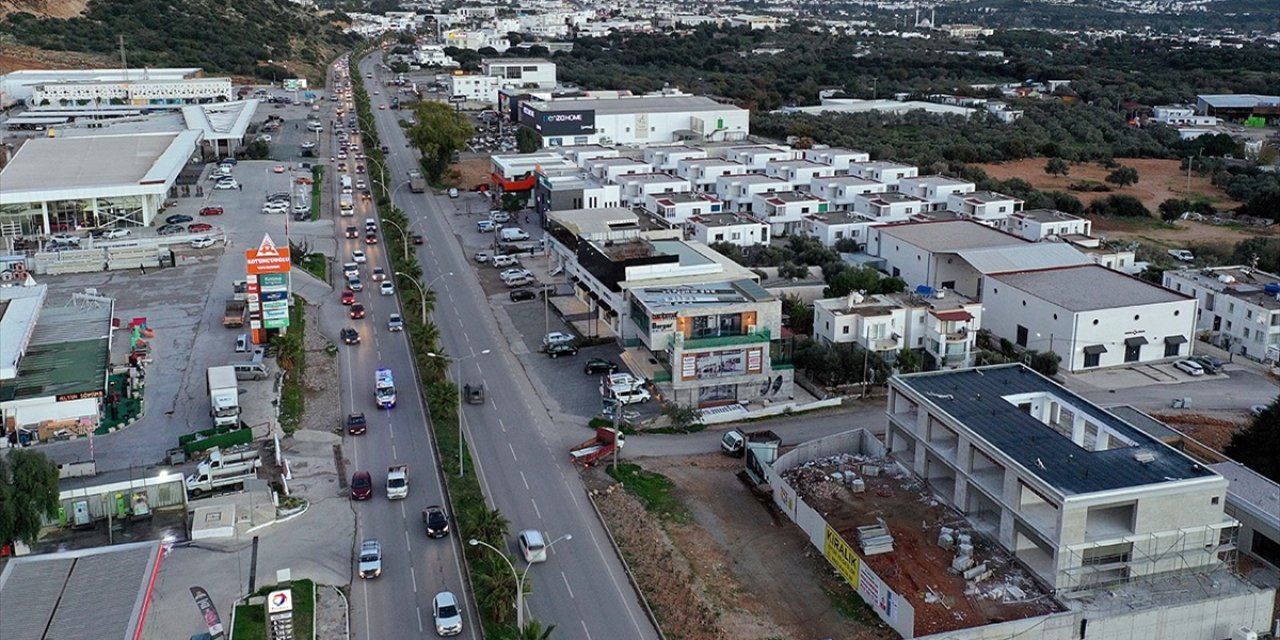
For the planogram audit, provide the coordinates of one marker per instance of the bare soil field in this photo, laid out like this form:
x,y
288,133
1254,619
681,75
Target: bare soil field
x,y
1158,181
16,56
733,570
472,171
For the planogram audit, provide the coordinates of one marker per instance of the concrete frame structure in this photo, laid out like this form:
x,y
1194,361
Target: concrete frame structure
x,y
1082,498
842,191
1038,224
1239,307
139,92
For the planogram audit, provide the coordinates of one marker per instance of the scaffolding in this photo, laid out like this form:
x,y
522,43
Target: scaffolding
x,y
1145,552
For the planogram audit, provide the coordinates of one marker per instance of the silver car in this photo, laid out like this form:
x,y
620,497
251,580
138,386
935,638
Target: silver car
x,y
370,559
447,614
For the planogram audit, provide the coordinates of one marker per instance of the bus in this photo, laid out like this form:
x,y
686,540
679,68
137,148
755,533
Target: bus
x,y
384,388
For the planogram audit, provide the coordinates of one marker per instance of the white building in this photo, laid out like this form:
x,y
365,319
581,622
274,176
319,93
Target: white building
x,y
836,157
757,156
1090,316
798,171
888,206
943,328
703,173
1038,224
842,191
1177,116
784,211
667,157
610,169
733,228
934,189
473,87
738,190
676,208
433,55
139,92
18,86
476,39
1082,498
987,207
633,120
521,73
888,173
635,187
1239,307
833,226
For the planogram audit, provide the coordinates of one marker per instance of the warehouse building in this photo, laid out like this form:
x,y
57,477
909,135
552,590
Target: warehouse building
x,y
633,120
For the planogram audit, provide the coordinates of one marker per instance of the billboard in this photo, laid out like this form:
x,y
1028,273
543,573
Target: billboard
x,y
558,123
268,279
267,258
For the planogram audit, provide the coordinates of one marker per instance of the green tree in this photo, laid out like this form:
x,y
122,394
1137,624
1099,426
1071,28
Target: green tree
x,y
1256,445
684,418
439,134
866,279
1123,176
909,361
533,630
28,493
527,140
799,314
1121,206
1057,167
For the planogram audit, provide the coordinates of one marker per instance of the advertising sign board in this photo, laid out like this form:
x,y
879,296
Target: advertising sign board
x,y
558,123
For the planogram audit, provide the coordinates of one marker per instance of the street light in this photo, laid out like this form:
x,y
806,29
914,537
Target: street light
x,y
404,238
422,290
457,382
518,575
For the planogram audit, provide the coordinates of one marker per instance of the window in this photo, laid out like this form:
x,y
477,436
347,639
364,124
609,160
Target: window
x,y
845,329
1022,336
949,284
1091,358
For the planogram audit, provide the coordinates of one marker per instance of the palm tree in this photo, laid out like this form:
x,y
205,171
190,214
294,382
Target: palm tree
x,y
488,525
494,587
533,630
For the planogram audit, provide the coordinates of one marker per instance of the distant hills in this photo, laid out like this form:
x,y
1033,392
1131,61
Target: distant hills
x,y
267,39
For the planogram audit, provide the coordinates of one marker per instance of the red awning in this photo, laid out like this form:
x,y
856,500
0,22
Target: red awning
x,y
953,315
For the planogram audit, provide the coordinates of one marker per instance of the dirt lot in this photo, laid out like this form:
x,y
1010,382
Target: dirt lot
x,y
1159,181
473,171
733,571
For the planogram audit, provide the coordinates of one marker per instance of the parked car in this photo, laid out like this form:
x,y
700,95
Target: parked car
x,y
562,349
453,192
520,295
242,343
211,211
487,226
170,229
1210,364
350,336
68,238
499,216
200,227
226,184
597,366
356,424
115,232
482,257
202,243
361,486
278,168
1190,367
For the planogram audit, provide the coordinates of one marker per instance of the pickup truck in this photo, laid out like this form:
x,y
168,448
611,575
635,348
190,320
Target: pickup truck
x,y
734,443
398,482
589,452
233,315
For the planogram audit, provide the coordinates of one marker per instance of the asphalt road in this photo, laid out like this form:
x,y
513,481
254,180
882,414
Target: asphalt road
x,y
415,567
521,454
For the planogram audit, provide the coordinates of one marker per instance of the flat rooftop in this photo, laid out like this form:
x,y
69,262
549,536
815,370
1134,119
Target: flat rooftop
x,y
589,222
846,181
650,177
889,197
1088,287
881,165
723,220
1243,283
950,236
86,594
788,197
53,164
979,399
1045,215
635,104
984,197
1023,257
934,180
678,297
681,197
1252,489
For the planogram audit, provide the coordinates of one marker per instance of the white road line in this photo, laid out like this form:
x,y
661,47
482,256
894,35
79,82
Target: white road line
x,y
524,480
368,627
566,584
536,510
501,424
419,610
584,629
413,573
393,452
513,452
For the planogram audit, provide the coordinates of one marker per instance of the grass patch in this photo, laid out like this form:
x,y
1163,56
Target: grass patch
x,y
251,620
292,358
317,265
652,489
847,601
317,191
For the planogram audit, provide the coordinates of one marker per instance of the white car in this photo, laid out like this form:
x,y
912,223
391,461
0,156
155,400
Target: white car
x,y
202,243
395,322
515,273
226,184
66,238
115,233
448,617
275,207
1190,367
386,288
350,269
358,257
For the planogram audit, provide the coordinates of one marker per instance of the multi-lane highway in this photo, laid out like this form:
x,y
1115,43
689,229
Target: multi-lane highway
x,y
519,452
415,568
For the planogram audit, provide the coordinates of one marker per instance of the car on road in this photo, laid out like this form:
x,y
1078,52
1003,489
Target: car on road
x,y
533,547
371,238
562,349
350,269
395,322
66,238
211,211
1190,367
520,295
370,224
487,226
370,559
278,168
357,311
350,336
417,238
1210,364
202,243
355,284
379,274
348,297
386,288
597,366
382,107
445,610
226,184
358,257
361,485
200,227
178,218
242,343
353,232
435,521
356,424
170,229
482,257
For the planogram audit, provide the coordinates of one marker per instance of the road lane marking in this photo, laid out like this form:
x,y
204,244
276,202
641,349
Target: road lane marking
x,y
413,573
419,610
566,584
524,480
584,629
513,452
536,510
368,626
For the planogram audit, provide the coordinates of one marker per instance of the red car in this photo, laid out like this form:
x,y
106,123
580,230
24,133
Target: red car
x,y
357,311
200,227
371,238
417,238
211,211
348,297
361,486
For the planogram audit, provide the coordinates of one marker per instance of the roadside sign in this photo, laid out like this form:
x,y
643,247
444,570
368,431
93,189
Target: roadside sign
x,y
458,99
267,258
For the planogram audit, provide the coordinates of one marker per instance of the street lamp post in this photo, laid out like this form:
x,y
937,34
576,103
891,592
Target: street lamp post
x,y
457,382
404,237
518,575
422,290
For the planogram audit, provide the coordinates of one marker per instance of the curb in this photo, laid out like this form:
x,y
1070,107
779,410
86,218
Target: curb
x,y
648,611
283,520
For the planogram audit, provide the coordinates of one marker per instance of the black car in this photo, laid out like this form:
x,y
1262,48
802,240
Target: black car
x,y
350,336
1210,364
522,294
353,232
356,424
562,349
435,521
170,229
178,218
596,366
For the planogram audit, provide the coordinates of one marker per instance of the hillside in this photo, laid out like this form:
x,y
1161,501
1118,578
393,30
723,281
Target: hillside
x,y
269,39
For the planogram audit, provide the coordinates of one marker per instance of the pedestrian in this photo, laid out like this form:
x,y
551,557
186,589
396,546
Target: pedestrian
x,y
240,186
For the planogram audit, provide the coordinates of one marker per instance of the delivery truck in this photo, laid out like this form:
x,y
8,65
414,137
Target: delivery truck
x,y
224,396
224,469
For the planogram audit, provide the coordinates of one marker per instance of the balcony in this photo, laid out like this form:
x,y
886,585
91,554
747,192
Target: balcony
x,y
759,336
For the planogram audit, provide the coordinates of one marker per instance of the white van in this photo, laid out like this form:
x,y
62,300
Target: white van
x,y
532,546
512,234
504,261
633,395
250,371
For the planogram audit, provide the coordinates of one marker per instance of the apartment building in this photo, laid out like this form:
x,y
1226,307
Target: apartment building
x,y
784,211
1079,496
473,87
833,226
934,189
667,157
798,171
138,92
836,157
733,228
888,206
1239,307
1040,224
942,325
758,156
610,169
703,172
636,187
572,189
737,191
887,173
677,208
988,207
841,191
521,73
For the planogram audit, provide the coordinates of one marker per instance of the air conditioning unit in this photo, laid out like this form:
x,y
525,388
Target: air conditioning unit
x,y
1244,633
